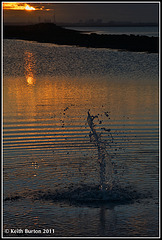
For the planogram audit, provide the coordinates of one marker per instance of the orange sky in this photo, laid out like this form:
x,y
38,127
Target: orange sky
x,y
26,12
21,6
75,12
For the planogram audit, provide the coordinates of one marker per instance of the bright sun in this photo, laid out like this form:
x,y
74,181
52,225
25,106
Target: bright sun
x,y
27,7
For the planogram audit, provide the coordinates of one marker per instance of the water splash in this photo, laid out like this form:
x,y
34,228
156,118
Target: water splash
x,y
90,196
103,157
108,192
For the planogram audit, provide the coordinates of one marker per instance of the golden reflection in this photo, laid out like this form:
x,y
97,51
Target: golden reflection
x,y
29,68
35,165
128,98
30,80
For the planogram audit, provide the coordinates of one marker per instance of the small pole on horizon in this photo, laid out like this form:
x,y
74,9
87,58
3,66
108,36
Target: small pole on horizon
x,y
54,19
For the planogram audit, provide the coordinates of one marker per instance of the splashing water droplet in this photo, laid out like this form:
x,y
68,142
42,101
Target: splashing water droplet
x,y
103,156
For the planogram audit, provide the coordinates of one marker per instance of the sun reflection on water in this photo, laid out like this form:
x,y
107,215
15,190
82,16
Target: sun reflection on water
x,y
30,68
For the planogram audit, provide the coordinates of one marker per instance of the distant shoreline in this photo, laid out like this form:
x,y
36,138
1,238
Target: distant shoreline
x,y
95,24
50,33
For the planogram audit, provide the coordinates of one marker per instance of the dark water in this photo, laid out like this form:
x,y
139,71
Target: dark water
x,y
55,161
142,31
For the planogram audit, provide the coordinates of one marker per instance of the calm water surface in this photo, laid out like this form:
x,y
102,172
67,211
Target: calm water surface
x,y
146,31
47,92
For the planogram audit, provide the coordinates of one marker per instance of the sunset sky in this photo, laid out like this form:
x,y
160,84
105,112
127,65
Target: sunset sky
x,y
75,12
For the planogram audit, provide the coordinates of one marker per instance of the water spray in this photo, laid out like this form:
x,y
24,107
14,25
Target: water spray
x,y
102,154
